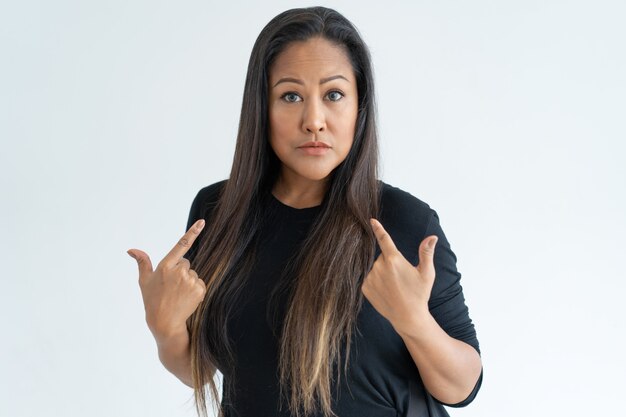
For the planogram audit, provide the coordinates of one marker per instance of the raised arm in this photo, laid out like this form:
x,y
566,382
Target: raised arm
x,y
171,293
450,368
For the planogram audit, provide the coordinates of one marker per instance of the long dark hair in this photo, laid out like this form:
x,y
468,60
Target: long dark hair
x,y
329,269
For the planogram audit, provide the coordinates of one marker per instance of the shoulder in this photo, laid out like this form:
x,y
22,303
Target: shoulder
x,y
401,208
405,217
206,199
201,208
399,201
211,192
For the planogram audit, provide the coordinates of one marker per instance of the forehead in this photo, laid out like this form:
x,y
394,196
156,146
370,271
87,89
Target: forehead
x,y
312,56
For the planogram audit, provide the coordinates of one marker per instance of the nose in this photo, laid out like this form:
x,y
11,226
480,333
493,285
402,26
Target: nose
x,y
313,118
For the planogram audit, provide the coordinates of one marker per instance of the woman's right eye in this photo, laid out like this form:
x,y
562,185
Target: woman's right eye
x,y
290,97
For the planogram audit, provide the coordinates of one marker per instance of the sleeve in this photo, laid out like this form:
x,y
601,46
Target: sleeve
x,y
194,215
447,303
201,208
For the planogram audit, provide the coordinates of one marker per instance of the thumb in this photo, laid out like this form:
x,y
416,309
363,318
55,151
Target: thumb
x,y
143,261
427,254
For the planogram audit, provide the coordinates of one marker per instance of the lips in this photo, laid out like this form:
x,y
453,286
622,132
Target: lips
x,y
314,148
315,144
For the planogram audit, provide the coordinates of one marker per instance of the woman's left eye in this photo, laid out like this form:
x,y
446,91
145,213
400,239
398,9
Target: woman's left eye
x,y
335,95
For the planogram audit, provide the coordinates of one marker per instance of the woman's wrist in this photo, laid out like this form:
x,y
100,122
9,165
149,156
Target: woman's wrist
x,y
171,336
416,326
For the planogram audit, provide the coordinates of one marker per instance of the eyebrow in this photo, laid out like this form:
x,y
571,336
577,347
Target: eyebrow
x,y
297,81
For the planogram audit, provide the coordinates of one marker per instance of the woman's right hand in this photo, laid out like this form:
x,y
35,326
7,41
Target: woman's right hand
x,y
172,291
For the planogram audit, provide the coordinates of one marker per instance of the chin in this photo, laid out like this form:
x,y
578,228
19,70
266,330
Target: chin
x,y
317,176
312,170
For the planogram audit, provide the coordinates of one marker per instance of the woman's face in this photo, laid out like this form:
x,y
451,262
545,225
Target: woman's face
x,y
313,106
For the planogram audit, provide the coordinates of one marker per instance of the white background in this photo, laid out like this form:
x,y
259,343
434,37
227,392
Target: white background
x,y
507,117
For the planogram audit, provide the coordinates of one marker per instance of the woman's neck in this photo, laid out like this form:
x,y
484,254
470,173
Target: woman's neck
x,y
301,193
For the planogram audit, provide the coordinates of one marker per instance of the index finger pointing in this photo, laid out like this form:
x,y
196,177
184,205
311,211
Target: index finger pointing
x,y
184,244
387,247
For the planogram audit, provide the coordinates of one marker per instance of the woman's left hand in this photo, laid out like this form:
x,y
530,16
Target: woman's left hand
x,y
398,290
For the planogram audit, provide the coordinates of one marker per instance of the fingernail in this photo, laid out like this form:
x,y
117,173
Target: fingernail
x,y
131,255
200,224
432,243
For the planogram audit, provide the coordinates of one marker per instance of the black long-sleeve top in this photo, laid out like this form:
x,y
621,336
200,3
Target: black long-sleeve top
x,y
383,380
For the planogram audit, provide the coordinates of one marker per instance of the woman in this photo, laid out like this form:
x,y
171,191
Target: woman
x,y
305,303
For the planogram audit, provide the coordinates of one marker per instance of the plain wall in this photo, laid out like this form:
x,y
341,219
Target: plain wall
x,y
507,117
